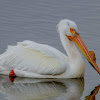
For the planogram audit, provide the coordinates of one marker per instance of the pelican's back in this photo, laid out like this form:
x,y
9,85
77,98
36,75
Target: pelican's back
x,y
33,57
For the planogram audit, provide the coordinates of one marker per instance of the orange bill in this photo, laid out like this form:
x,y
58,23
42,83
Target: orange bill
x,y
90,56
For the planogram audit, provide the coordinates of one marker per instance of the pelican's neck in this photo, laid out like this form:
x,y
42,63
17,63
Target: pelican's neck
x,y
76,63
69,47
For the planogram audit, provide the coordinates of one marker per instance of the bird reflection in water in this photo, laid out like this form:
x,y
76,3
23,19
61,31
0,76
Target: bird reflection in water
x,y
41,89
93,94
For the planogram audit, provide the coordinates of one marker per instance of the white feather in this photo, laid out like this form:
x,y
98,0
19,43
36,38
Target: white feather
x,y
33,57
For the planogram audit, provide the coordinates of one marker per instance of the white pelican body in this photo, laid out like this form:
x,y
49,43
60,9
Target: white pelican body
x,y
30,59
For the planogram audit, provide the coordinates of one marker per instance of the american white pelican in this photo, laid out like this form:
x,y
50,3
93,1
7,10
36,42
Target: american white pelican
x,y
30,59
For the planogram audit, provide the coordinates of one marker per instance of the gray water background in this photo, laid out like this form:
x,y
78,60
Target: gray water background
x,y
36,20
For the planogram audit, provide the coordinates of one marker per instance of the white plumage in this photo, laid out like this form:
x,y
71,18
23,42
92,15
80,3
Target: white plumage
x,y
30,59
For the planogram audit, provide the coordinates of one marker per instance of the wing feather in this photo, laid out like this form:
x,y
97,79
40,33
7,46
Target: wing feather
x,y
33,57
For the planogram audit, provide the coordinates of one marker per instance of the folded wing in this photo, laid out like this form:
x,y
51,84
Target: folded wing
x,y
33,57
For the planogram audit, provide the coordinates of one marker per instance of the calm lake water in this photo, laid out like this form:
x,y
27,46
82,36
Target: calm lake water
x,y
36,20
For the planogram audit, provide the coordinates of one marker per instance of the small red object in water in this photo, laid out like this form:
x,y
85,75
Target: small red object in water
x,y
12,74
11,79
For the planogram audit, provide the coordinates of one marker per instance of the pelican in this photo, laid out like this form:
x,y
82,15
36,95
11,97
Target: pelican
x,y
33,60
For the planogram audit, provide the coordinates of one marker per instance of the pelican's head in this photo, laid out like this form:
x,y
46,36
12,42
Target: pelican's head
x,y
66,27
69,29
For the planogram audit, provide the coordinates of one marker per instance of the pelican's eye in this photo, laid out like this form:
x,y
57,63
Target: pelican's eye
x,y
72,31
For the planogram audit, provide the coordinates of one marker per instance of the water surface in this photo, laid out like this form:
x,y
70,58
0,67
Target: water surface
x,y
36,20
